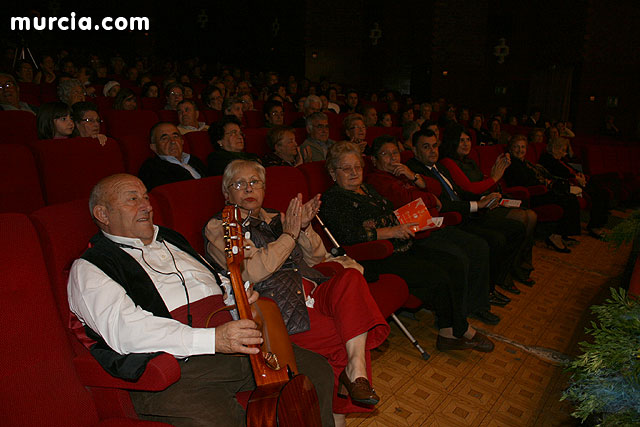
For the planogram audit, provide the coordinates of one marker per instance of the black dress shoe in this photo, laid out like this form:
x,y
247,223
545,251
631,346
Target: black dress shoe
x,y
595,234
479,342
555,247
526,281
493,300
501,296
568,241
486,317
510,287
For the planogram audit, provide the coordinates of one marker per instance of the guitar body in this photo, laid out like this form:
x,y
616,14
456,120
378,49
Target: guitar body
x,y
281,398
293,404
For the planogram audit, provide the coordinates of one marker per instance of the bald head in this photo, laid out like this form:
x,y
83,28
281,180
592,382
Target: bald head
x,y
119,205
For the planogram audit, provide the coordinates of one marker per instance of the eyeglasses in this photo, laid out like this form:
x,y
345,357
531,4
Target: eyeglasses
x,y
7,85
348,169
175,93
234,132
242,185
277,113
98,120
357,127
389,153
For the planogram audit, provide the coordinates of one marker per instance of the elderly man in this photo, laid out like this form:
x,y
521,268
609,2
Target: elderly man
x,y
315,147
10,95
143,289
313,104
170,164
188,117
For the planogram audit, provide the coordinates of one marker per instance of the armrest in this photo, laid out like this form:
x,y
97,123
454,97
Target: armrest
x,y
368,251
520,193
329,268
536,190
161,372
451,218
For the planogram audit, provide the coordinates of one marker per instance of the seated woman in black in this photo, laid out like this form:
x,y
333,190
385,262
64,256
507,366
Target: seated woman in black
x,y
356,213
285,152
228,142
521,172
552,160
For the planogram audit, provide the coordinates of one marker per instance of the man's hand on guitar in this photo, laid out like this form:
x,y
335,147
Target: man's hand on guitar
x,y
235,336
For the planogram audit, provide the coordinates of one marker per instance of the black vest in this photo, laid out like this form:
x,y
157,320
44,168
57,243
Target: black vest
x,y
125,270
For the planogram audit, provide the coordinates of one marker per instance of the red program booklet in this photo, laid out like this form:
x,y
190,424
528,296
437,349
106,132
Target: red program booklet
x,y
417,212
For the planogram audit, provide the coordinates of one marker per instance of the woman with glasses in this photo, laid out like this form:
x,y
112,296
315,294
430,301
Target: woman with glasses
x,y
356,213
228,145
336,317
87,121
355,130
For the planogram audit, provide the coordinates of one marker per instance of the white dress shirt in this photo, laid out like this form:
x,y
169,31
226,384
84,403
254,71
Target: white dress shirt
x,y
103,305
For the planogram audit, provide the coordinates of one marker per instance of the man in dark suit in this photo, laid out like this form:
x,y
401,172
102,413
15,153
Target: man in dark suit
x,y
170,164
503,235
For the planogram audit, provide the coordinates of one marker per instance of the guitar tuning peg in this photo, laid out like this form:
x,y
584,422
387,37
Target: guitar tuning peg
x,y
247,235
235,250
246,247
246,285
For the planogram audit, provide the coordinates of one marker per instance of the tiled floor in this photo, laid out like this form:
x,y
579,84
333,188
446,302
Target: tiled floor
x,y
518,384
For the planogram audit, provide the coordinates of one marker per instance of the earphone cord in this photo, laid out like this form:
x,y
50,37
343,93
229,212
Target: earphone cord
x,y
177,273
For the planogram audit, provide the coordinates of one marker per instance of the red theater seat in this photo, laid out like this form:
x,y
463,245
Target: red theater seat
x,y
255,141
123,123
199,144
19,183
39,383
17,127
69,168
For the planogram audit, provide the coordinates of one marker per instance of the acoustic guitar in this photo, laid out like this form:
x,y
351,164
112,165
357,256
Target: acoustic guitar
x,y
282,397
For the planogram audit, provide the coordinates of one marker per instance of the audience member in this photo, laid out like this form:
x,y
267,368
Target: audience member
x,y
284,149
10,95
150,90
356,213
273,114
54,121
170,163
87,121
71,91
212,98
188,117
521,172
119,291
315,147
351,102
355,130
228,142
341,321
385,120
111,89
174,93
370,116
125,100
233,107
24,71
312,104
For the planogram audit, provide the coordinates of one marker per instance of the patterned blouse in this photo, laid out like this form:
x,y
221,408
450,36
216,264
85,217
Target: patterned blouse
x,y
353,218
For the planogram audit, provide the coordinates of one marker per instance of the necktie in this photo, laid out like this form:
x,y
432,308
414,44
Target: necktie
x,y
445,184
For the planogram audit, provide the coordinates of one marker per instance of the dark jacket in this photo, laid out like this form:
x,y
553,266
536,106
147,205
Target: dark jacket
x,y
156,171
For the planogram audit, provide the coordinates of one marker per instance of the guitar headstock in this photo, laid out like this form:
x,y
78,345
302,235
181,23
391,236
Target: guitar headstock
x,y
233,238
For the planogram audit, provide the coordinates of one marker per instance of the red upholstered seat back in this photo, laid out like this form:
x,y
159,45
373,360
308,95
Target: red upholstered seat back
x,y
17,127
69,168
316,176
19,184
135,150
39,383
138,122
186,206
255,141
199,144
170,116
254,119
152,104
283,183
64,230
487,154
